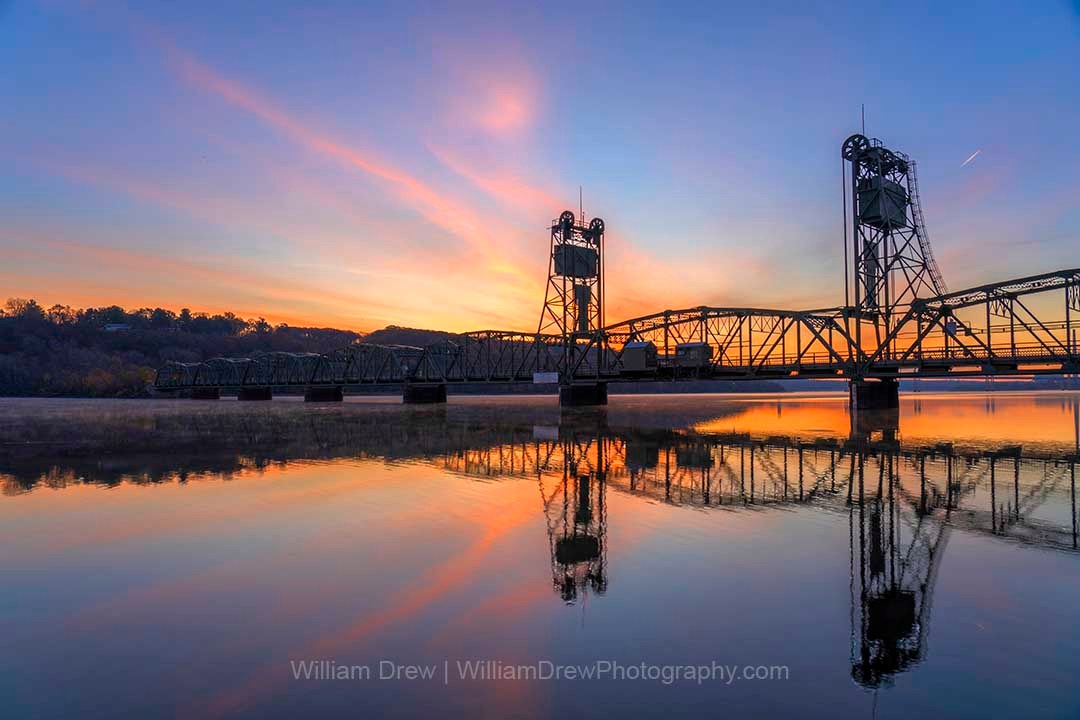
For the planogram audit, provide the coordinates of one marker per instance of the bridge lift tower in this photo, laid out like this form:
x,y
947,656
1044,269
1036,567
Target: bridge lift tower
x,y
892,263
574,305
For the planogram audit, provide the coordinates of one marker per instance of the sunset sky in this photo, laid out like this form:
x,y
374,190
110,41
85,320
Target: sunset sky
x,y
362,164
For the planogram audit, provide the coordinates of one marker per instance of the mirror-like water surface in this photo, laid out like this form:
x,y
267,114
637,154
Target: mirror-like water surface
x,y
185,558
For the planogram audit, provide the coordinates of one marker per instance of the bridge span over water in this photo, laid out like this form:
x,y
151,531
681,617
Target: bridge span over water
x,y
898,320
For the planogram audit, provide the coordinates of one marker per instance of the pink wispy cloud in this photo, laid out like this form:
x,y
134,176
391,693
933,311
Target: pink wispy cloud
x,y
438,208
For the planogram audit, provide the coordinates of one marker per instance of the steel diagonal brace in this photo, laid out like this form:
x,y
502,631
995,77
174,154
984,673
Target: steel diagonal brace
x,y
1044,329
783,328
824,343
761,348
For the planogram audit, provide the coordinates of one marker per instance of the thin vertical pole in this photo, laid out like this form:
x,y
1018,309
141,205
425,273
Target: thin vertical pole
x,y
783,340
1016,488
751,474
1068,322
800,473
785,473
798,340
843,195
750,339
922,483
993,497
855,252
1072,490
667,352
742,473
1012,327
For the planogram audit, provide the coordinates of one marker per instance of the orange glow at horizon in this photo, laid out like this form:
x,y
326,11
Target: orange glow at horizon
x,y
487,230
381,168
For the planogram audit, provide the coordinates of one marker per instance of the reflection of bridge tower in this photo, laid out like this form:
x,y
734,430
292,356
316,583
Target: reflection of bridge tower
x,y
574,301
893,262
896,546
578,531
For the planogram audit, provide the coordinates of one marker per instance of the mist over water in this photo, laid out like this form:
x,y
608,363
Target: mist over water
x,y
180,558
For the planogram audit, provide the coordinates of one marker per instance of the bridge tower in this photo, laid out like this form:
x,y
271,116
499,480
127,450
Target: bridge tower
x,y
892,260
574,305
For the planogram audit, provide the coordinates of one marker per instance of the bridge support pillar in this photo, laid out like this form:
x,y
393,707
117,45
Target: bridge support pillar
x,y
875,394
254,393
324,394
205,393
581,395
424,393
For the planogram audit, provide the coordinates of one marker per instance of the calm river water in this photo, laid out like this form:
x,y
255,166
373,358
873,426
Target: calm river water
x,y
731,556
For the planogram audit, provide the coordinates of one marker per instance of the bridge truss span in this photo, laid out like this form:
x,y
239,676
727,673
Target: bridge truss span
x,y
740,342
1026,324
1023,326
488,356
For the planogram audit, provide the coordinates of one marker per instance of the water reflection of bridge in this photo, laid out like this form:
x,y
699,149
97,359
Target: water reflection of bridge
x,y
991,488
901,502
992,491
902,499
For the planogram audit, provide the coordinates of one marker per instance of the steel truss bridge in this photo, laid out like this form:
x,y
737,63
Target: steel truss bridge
x,y
750,343
898,320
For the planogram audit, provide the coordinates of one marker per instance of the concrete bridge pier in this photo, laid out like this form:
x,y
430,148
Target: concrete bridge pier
x,y
424,393
883,394
583,394
205,393
254,393
324,394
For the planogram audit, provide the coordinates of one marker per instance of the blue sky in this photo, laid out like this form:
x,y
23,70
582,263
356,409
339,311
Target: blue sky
x,y
360,164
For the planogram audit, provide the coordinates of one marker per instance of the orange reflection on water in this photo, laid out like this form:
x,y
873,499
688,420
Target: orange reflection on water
x,y
959,418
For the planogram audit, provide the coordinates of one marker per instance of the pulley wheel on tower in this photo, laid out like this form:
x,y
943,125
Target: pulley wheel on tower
x,y
596,229
854,146
566,221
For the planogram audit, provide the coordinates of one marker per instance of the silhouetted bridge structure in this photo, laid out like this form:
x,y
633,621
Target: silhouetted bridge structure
x,y
898,321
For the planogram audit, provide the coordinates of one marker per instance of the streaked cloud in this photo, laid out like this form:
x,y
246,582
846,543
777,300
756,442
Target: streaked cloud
x,y
383,166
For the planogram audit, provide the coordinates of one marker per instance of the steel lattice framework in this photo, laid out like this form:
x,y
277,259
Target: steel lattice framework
x,y
1002,328
903,321
996,329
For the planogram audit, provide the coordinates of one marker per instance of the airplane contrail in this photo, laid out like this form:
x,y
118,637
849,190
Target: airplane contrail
x,y
971,157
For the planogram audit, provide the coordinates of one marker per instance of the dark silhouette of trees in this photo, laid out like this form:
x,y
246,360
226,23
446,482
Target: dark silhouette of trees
x,y
113,352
